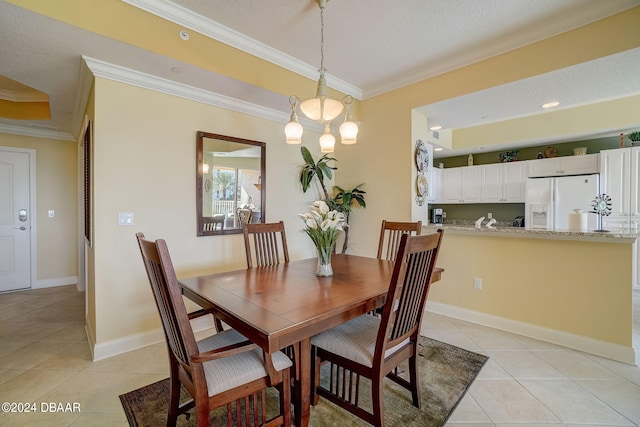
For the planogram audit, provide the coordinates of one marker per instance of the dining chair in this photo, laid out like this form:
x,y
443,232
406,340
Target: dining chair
x,y
373,347
390,234
244,216
223,369
264,245
213,223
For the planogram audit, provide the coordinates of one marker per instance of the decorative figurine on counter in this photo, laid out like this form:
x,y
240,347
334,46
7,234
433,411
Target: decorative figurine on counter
x,y
602,207
540,155
470,160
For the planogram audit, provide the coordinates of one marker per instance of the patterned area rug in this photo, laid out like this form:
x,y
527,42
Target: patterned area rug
x,y
446,372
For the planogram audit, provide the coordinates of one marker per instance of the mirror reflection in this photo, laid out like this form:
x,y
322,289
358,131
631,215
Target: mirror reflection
x,y
230,183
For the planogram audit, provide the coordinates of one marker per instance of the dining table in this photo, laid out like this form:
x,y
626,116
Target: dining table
x,y
287,304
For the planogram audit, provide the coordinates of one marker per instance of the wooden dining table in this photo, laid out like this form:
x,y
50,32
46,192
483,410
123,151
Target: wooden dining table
x,y
287,304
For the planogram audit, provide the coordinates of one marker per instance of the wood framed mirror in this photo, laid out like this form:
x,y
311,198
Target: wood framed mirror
x,y
230,183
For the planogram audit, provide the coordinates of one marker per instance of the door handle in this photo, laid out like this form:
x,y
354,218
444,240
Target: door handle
x,y
21,228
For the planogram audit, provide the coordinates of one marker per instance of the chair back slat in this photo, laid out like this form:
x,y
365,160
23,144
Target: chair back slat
x,y
166,292
390,234
264,245
408,290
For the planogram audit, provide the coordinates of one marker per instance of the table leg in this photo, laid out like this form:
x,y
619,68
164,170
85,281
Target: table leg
x,y
302,389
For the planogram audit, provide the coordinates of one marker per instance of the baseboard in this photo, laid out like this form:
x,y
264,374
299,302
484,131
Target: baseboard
x,y
612,351
51,283
100,351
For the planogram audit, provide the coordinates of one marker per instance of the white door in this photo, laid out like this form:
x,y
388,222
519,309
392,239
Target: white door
x,y
15,220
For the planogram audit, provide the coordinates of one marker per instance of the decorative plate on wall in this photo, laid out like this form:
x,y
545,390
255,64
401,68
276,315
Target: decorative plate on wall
x,y
422,156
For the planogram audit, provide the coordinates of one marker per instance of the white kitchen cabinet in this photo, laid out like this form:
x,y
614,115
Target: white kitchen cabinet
x,y
503,182
619,179
568,165
435,185
461,185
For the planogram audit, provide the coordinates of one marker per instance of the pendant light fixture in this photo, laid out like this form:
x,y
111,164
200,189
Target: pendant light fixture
x,y
321,108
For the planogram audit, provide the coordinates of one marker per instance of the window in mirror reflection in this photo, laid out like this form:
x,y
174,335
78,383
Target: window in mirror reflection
x,y
230,184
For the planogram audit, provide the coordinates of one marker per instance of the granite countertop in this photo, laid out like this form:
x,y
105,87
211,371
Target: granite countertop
x,y
506,230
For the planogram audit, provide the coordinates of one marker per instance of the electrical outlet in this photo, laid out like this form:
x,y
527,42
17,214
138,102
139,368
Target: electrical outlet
x,y
477,283
444,214
489,215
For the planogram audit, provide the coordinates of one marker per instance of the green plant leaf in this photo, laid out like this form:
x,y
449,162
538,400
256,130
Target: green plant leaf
x,y
306,156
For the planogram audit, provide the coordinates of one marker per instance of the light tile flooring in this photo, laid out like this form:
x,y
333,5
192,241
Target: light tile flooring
x,y
44,357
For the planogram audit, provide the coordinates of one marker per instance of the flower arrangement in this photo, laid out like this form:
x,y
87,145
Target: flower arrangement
x,y
323,227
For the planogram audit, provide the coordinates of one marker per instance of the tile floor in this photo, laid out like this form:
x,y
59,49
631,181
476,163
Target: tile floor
x,y
44,357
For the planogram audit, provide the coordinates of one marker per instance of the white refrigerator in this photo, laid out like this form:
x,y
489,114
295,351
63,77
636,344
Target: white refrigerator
x,y
549,201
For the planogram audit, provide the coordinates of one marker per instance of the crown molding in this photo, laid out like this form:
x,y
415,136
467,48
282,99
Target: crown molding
x,y
37,133
158,84
184,17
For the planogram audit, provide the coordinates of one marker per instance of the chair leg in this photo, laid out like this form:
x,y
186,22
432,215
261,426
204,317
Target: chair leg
x,y
285,398
203,413
174,395
377,400
315,375
413,378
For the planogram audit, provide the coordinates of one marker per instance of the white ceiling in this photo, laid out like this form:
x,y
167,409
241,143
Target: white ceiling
x,y
371,46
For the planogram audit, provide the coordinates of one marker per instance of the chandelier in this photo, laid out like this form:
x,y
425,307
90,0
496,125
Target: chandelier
x,y
321,108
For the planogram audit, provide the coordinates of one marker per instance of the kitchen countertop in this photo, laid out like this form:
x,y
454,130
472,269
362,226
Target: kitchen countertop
x,y
521,232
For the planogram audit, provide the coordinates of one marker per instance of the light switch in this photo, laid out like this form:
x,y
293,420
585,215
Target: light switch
x,y
125,218
52,213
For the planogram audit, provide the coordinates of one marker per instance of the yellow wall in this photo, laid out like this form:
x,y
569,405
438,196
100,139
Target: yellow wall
x,y
144,150
144,162
56,177
382,159
578,287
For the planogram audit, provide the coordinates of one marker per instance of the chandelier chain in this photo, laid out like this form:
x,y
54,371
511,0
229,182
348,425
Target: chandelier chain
x,y
322,40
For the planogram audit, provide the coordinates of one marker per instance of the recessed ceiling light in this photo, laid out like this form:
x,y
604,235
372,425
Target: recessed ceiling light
x,y
550,104
438,127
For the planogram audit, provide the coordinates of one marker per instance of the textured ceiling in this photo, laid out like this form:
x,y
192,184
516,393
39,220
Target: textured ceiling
x,y
371,46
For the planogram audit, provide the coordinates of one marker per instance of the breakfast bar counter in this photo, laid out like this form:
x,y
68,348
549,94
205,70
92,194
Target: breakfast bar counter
x,y
502,231
567,288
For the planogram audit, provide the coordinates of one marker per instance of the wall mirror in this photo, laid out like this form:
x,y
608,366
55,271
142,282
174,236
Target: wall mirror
x,y
230,183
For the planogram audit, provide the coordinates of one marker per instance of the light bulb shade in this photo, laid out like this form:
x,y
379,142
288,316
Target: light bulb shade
x,y
293,132
327,141
315,110
349,132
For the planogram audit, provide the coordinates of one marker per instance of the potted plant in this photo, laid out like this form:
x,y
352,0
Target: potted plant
x,y
343,200
634,137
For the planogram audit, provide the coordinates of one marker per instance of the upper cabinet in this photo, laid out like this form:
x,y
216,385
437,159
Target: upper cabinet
x,y
461,185
503,182
569,165
435,186
619,175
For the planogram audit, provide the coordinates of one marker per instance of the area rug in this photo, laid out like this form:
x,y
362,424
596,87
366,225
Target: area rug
x,y
446,372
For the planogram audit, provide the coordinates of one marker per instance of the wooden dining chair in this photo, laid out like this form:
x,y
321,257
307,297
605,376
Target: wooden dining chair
x,y
244,216
213,223
390,234
373,347
223,369
265,246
